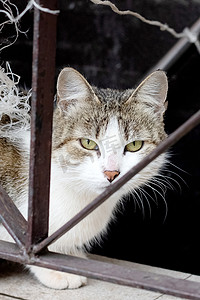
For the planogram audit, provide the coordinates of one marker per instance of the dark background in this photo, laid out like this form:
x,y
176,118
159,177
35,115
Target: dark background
x,y
116,51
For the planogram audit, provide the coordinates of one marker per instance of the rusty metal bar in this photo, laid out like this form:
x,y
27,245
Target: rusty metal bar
x,y
12,252
43,72
121,275
12,219
106,272
176,51
163,146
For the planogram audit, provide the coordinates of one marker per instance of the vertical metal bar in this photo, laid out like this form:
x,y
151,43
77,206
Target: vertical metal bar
x,y
43,72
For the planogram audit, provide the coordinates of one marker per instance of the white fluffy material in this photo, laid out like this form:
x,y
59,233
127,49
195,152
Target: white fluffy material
x,y
14,104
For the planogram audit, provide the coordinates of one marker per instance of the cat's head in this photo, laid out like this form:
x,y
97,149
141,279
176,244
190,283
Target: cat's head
x,y
99,134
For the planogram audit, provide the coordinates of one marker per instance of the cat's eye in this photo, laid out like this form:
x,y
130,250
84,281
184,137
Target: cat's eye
x,y
134,146
89,144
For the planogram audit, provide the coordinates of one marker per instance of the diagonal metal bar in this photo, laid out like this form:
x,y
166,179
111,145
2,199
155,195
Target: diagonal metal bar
x,y
11,251
12,219
176,51
106,271
163,146
44,47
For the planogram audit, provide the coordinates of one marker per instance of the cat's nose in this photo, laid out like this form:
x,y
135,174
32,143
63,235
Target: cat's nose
x,y
111,175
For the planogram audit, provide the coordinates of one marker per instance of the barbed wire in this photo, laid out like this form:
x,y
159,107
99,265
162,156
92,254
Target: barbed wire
x,y
186,33
11,19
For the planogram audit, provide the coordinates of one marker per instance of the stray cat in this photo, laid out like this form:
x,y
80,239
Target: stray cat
x,y
98,135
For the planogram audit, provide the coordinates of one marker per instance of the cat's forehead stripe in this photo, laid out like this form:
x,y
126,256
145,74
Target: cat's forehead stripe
x,y
112,137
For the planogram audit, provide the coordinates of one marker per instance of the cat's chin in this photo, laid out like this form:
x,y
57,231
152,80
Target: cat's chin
x,y
100,190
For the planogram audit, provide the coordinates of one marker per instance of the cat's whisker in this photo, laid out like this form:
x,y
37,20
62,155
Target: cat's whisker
x,y
162,193
155,200
144,193
166,169
161,184
175,166
137,200
168,180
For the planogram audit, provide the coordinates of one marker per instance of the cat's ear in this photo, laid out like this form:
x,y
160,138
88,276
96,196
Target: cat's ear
x,y
153,92
72,87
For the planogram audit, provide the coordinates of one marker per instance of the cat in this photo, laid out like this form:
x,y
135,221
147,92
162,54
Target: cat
x,y
98,135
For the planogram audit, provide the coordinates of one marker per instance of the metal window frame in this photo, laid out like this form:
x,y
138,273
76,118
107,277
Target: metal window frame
x,y
31,237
